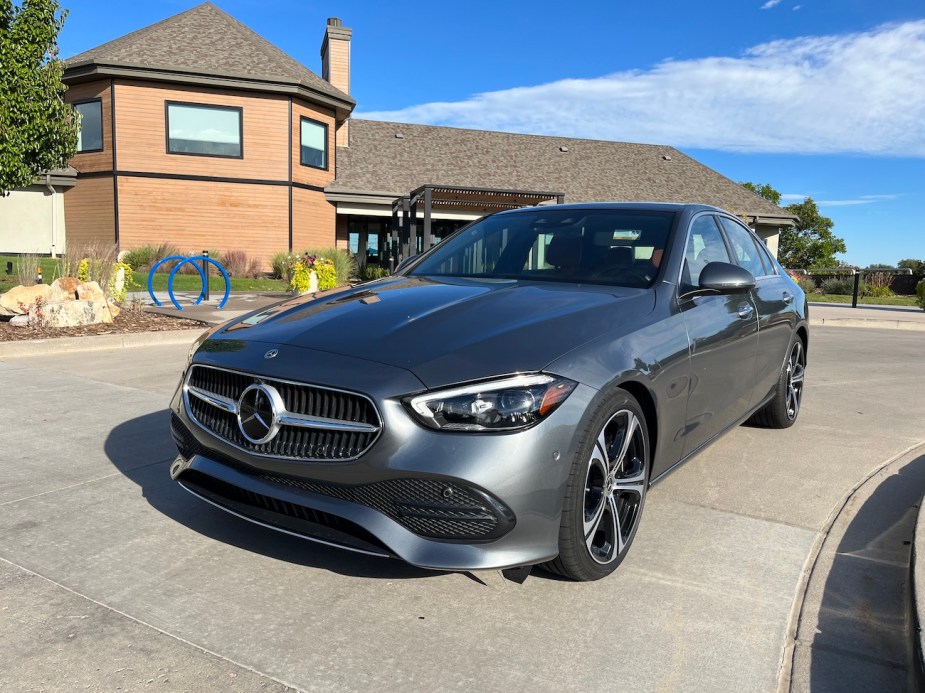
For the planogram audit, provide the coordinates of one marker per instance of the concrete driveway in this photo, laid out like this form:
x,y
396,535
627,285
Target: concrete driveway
x,y
111,576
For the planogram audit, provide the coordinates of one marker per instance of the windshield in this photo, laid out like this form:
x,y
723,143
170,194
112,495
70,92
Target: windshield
x,y
601,246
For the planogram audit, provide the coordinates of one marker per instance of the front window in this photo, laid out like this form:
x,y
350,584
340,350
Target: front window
x,y
704,245
314,144
597,246
204,130
90,134
744,247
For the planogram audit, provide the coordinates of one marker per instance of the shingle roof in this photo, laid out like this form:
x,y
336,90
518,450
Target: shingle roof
x,y
204,41
589,170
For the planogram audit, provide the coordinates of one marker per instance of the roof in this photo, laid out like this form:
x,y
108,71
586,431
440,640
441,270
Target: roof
x,y
208,47
395,158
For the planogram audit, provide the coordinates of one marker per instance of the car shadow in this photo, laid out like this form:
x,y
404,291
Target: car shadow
x,y
132,445
864,638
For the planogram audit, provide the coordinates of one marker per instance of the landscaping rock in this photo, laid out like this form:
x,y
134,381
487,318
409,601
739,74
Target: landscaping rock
x,y
20,299
71,313
90,291
19,321
68,285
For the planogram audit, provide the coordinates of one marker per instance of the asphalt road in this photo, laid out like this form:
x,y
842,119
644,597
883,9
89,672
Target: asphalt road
x,y
111,576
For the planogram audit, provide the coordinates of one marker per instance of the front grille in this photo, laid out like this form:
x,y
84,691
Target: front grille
x,y
327,410
294,518
429,508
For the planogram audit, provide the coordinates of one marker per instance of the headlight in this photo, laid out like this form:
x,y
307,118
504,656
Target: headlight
x,y
508,404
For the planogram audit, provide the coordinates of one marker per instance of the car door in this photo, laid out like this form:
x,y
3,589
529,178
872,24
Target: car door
x,y
723,335
773,296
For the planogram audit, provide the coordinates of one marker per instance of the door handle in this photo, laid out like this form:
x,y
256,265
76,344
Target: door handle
x,y
788,298
746,310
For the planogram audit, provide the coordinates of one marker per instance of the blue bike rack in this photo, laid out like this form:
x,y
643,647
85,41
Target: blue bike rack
x,y
202,275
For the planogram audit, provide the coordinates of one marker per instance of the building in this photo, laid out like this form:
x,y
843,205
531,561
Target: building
x,y
198,132
32,218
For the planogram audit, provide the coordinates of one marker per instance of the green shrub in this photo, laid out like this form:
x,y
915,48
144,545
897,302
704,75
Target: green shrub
x,y
920,294
879,291
840,286
808,284
302,268
327,274
370,272
141,258
345,265
282,266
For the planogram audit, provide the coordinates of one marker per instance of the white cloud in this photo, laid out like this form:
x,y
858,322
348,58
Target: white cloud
x,y
853,93
769,4
787,198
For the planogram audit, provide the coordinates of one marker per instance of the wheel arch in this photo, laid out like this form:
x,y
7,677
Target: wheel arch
x,y
647,403
803,334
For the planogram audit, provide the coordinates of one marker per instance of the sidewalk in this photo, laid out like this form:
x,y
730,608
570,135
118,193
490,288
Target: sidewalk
x,y
238,304
883,317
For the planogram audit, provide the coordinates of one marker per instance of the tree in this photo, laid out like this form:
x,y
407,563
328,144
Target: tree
x,y
810,244
38,130
764,190
917,267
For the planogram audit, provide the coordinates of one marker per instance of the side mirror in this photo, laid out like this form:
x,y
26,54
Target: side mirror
x,y
404,263
725,278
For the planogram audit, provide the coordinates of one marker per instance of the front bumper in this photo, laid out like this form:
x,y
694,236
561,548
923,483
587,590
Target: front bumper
x,y
449,501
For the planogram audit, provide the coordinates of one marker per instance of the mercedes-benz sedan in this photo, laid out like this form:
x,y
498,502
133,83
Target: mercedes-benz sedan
x,y
507,398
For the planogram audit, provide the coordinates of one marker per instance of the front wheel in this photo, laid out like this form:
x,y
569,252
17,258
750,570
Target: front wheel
x,y
606,491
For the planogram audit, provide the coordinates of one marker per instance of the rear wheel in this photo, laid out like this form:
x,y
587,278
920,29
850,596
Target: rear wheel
x,y
606,491
783,409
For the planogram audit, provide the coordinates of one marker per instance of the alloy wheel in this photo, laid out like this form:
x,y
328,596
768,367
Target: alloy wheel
x,y
615,485
796,366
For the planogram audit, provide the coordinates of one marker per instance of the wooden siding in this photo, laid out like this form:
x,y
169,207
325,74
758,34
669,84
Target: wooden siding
x,y
94,161
141,132
313,220
89,211
307,174
197,215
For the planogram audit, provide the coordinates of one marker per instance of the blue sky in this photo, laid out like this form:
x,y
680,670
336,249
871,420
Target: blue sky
x,y
824,98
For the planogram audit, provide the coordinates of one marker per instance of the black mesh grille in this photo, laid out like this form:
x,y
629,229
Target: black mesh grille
x,y
308,521
429,508
186,443
290,442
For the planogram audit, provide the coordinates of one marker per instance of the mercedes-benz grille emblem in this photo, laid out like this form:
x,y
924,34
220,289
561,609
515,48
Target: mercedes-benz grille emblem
x,y
258,413
271,354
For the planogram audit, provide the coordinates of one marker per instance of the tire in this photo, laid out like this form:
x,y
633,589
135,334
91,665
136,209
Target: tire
x,y
782,411
606,491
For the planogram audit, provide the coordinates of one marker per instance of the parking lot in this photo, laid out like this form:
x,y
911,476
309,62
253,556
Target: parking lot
x,y
112,576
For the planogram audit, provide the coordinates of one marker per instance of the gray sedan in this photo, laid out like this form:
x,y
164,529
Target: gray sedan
x,y
507,398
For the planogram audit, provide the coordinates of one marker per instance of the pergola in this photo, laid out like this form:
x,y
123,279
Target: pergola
x,y
404,230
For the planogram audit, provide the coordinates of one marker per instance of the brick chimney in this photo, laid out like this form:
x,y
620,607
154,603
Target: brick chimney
x,y
335,66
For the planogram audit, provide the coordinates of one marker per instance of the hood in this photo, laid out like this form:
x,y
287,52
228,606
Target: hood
x,y
448,330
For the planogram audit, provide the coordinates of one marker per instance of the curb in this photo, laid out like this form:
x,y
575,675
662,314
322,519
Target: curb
x,y
917,585
785,672
868,323
61,345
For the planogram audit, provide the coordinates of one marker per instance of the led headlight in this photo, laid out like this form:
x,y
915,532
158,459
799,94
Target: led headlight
x,y
507,404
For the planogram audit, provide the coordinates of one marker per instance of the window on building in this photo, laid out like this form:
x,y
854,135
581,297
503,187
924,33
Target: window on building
x,y
90,135
204,130
314,144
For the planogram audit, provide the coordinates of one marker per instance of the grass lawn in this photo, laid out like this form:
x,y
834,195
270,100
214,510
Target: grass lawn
x,y
866,300
193,282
